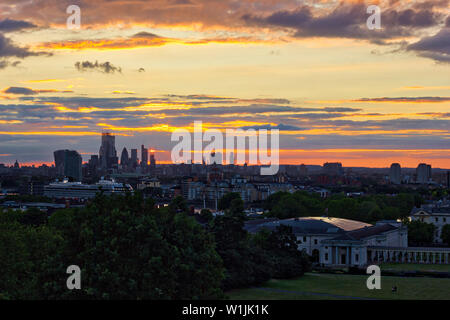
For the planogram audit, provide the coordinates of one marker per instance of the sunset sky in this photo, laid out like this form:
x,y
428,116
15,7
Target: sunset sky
x,y
336,90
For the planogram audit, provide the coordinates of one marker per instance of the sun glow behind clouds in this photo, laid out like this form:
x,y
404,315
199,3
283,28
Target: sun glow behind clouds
x,y
231,66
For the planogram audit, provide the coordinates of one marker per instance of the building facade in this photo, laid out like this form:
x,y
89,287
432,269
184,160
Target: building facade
x,y
437,213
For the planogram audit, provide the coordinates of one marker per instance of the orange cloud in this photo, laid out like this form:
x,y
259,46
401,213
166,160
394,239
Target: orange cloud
x,y
143,40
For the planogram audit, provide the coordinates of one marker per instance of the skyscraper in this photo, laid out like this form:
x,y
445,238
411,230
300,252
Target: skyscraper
x,y
423,173
152,161
144,157
108,153
134,158
124,159
68,164
395,173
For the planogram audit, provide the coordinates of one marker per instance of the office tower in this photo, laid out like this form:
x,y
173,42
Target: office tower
x,y
395,173
108,153
134,158
333,168
152,161
144,157
423,173
93,164
68,164
124,159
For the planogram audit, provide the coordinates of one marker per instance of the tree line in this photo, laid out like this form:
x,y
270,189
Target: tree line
x,y
129,249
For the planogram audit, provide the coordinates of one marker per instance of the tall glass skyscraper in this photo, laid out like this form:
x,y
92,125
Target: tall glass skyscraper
x,y
108,153
68,164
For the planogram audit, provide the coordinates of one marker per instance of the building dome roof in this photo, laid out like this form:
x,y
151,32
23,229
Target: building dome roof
x,y
310,225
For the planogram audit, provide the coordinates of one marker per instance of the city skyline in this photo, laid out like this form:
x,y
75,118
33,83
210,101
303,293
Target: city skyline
x,y
336,90
150,153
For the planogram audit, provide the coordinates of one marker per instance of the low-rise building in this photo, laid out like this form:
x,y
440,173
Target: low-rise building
x,y
437,213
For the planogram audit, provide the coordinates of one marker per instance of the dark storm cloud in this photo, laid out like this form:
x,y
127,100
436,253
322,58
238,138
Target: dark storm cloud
x,y
29,91
105,67
20,90
9,25
76,102
9,49
348,21
436,47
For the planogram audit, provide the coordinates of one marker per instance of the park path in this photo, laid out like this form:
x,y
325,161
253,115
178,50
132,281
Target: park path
x,y
330,295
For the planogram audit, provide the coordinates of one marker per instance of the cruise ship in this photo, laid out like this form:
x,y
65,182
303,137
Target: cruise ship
x,y
77,190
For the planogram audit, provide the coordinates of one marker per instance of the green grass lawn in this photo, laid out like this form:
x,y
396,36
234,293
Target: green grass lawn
x,y
342,286
416,267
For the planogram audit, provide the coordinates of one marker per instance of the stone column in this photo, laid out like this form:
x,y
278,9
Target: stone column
x,y
348,260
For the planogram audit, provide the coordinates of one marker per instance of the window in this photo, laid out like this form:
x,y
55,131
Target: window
x,y
356,257
315,241
326,256
437,219
304,239
445,220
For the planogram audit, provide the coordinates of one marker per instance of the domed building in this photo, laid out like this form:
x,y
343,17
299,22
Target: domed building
x,y
336,241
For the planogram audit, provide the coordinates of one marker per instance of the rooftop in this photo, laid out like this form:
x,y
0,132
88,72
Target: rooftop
x,y
312,225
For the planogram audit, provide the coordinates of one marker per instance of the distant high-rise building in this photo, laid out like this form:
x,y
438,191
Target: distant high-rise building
x,y
395,173
423,173
134,158
144,157
93,164
124,159
108,153
333,168
16,165
152,161
68,164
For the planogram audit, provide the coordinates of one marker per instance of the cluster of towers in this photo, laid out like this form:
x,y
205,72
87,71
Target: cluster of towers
x,y
108,160
423,174
128,163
